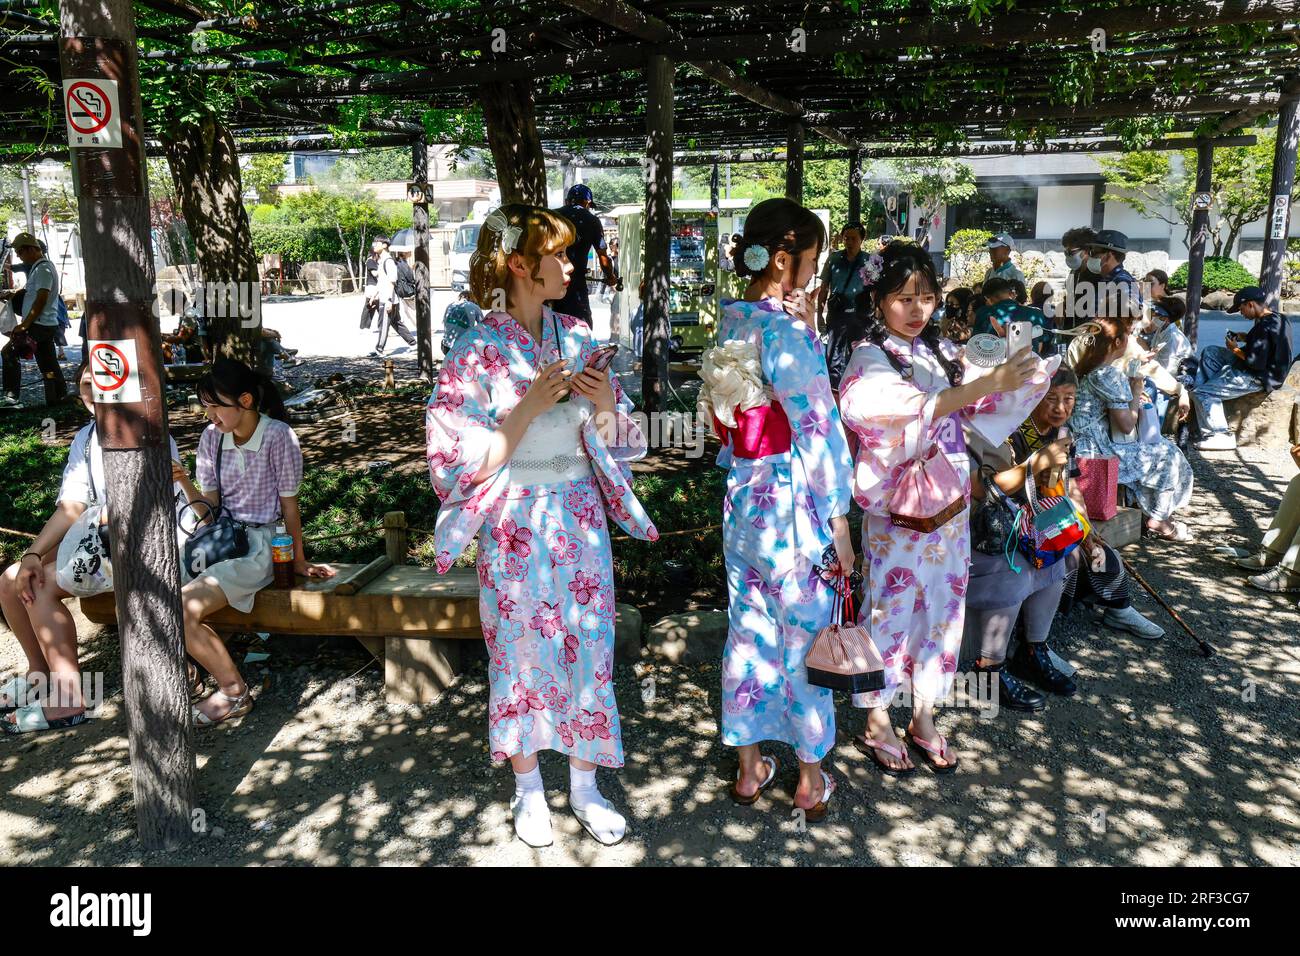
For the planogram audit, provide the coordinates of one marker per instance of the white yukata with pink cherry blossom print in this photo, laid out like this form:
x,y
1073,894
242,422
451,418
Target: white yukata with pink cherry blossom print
x,y
545,567
916,582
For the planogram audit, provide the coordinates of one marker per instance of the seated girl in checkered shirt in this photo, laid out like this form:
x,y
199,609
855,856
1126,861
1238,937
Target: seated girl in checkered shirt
x,y
261,469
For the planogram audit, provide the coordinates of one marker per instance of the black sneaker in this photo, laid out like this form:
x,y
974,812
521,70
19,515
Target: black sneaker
x,y
1034,664
1012,692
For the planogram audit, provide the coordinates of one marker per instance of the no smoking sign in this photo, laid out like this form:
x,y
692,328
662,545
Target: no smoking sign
x,y
114,371
91,110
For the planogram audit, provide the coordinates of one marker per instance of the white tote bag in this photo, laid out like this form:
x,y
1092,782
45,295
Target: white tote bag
x,y
84,567
8,321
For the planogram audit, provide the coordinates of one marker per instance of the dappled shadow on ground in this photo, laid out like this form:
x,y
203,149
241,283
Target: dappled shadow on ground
x,y
1164,757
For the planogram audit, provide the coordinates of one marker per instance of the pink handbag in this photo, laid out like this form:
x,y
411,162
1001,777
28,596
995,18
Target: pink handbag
x,y
1099,481
930,492
843,656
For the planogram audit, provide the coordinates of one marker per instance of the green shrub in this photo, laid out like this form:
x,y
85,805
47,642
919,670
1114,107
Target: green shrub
x,y
1221,274
967,252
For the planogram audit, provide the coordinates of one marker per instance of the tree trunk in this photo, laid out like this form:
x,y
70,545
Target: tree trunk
x,y
657,268
511,120
420,230
205,168
98,41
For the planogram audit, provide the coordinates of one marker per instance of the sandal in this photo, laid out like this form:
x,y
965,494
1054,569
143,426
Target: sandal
x,y
242,704
197,684
821,807
31,718
940,751
748,801
15,689
1182,533
868,747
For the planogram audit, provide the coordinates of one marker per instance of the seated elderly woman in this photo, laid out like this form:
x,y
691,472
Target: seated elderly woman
x,y
1105,418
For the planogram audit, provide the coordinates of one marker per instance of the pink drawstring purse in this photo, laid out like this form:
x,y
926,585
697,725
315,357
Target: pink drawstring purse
x,y
930,493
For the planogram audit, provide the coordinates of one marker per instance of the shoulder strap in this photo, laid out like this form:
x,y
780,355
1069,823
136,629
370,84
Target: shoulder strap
x,y
90,466
220,443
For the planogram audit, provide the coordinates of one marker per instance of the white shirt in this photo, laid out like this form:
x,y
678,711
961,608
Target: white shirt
x,y
79,472
384,290
41,275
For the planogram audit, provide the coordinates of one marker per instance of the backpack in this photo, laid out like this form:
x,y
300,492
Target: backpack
x,y
405,286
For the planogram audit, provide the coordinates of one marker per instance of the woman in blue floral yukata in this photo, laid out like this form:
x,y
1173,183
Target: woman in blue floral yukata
x,y
787,501
527,449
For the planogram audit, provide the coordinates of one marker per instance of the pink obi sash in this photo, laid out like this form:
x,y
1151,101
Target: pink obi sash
x,y
760,432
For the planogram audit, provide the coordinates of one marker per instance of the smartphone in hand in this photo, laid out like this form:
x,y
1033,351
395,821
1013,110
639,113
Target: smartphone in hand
x,y
1020,337
602,358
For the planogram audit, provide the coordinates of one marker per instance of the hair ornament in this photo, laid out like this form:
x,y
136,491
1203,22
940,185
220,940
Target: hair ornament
x,y
757,258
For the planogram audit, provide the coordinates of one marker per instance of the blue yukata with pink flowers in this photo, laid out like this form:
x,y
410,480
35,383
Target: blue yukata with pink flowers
x,y
775,527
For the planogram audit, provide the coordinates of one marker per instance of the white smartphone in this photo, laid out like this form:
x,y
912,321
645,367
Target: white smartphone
x,y
1020,336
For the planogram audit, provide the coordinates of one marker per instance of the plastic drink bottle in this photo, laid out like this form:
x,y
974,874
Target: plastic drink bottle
x,y
282,558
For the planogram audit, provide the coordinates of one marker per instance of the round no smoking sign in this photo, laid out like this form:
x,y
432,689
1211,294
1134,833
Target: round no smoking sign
x,y
114,372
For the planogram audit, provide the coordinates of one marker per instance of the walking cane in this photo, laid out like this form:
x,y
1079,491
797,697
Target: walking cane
x,y
1206,649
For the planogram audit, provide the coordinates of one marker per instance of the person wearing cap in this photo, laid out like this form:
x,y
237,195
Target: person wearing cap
x,y
40,320
1116,286
590,234
1079,301
1002,309
1256,362
389,302
1000,247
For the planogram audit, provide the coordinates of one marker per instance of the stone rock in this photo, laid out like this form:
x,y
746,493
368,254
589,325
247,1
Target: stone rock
x,y
1156,259
1268,421
695,637
1252,261
1136,263
627,634
1217,300
317,277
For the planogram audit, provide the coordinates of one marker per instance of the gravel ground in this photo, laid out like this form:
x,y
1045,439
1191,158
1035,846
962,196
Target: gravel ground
x,y
1163,758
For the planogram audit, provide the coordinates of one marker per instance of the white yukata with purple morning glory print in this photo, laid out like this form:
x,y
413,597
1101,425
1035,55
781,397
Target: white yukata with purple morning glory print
x,y
776,524
916,582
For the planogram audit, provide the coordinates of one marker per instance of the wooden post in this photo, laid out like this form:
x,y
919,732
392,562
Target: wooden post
x,y
855,186
794,161
1200,233
1277,221
395,540
657,268
420,228
98,43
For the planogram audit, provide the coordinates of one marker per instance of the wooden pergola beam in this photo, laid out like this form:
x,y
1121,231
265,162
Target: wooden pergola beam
x,y
645,27
1002,30
593,161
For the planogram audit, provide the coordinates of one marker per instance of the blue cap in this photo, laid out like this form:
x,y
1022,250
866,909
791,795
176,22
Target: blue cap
x,y
579,192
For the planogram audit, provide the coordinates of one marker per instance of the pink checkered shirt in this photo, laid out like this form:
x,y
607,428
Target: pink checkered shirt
x,y
255,475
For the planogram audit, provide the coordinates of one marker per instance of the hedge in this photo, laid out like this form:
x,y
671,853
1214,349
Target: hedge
x,y
1221,274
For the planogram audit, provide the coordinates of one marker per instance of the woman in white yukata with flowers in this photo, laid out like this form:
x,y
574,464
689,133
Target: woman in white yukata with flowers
x,y
532,456
905,379
787,501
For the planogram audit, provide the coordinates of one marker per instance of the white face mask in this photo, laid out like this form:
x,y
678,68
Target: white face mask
x,y
1094,265
1074,260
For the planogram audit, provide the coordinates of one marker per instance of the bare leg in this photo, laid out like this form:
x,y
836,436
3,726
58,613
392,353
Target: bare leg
x,y
923,726
56,634
811,786
202,598
753,771
16,615
881,729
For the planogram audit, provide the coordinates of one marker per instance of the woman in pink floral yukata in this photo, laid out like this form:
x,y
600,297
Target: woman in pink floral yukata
x,y
531,458
903,391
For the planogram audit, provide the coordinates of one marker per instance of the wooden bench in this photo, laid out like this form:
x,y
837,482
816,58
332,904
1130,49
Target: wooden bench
x,y
414,618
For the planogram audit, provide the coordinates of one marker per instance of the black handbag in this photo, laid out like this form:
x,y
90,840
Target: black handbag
x,y
223,538
993,521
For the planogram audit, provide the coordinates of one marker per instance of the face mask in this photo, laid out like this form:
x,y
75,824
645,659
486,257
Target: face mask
x,y
1074,260
1094,265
